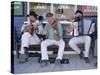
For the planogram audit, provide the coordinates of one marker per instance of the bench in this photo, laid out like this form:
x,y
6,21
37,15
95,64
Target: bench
x,y
53,49
35,51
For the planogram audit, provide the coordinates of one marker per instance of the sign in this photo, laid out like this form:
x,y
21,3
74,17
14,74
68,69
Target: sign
x,y
59,11
17,8
89,10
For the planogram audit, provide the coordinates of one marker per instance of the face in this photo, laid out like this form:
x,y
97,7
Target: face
x,y
51,20
32,18
78,16
30,29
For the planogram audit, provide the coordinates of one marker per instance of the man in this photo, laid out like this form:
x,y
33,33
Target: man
x,y
54,33
32,17
26,39
81,38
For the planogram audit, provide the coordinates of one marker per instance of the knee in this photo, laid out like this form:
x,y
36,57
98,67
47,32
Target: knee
x,y
63,43
88,38
43,43
70,43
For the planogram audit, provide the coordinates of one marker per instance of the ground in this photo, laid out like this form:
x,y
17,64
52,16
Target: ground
x,y
75,63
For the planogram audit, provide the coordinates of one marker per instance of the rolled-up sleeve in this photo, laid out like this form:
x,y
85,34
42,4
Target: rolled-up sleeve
x,y
60,30
23,27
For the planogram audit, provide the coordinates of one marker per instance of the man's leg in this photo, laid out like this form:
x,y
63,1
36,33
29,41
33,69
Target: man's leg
x,y
34,39
44,53
44,46
24,47
61,45
73,44
87,40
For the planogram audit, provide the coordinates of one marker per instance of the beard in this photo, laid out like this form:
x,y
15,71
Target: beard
x,y
78,18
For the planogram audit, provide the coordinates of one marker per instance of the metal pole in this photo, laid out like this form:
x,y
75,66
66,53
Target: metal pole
x,y
28,9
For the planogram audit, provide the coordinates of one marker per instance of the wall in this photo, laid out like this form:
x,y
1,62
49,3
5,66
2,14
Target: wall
x,y
17,22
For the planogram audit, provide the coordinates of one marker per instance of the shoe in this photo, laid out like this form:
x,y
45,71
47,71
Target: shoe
x,y
58,61
86,59
95,64
44,63
81,55
23,59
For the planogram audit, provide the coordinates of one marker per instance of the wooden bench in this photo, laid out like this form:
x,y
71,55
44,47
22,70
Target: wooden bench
x,y
53,49
35,51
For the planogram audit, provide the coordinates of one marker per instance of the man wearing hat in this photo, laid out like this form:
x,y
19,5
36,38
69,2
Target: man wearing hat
x,y
26,38
84,39
54,33
32,19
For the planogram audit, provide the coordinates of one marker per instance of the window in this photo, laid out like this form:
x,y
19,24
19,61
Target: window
x,y
17,8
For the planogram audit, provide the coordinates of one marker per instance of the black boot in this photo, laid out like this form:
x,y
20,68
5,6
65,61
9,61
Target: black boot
x,y
86,59
24,57
57,61
44,63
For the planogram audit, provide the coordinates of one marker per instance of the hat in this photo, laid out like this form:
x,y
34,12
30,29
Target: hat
x,y
79,11
49,14
40,18
32,13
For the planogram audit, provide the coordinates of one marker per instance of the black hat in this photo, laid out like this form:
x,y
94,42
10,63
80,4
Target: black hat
x,y
79,11
32,13
40,18
49,14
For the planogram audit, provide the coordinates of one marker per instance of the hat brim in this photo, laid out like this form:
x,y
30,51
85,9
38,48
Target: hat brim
x,y
49,15
31,15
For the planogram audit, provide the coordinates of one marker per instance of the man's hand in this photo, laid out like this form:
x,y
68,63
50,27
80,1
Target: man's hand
x,y
44,33
70,28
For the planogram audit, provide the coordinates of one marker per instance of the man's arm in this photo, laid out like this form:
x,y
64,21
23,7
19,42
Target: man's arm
x,y
60,30
45,30
71,27
23,28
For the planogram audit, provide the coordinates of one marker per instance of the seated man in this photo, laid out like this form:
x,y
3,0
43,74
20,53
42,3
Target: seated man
x,y
80,39
32,19
53,30
26,40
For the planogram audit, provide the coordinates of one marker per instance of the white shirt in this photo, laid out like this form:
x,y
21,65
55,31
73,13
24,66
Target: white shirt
x,y
36,24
